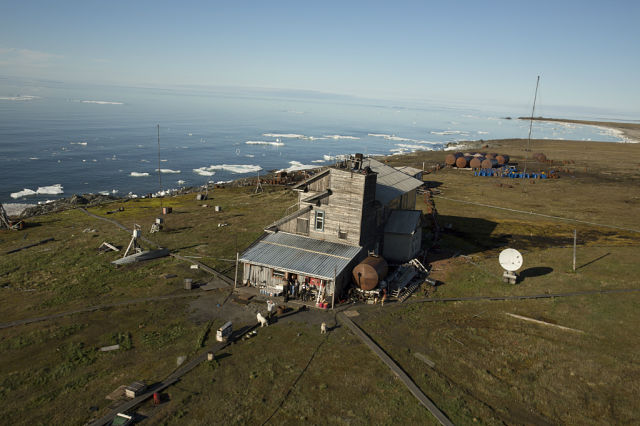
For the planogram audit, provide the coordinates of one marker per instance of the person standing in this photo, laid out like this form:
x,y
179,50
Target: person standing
x,y
270,308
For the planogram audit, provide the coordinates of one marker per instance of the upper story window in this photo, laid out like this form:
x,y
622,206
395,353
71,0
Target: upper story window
x,y
319,224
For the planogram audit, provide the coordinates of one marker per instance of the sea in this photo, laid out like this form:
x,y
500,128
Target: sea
x,y
59,139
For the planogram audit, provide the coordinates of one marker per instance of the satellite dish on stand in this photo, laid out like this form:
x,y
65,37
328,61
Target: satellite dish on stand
x,y
510,260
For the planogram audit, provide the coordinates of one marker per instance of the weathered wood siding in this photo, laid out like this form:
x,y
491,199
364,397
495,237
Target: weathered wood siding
x,y
291,226
343,211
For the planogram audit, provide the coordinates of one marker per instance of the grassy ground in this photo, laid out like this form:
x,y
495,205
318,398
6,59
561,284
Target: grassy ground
x,y
489,367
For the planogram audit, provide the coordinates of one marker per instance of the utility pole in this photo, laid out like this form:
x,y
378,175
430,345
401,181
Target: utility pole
x,y
533,109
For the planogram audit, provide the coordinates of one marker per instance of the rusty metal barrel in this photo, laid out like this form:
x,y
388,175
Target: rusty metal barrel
x,y
368,273
491,155
502,159
476,162
463,162
539,156
489,163
450,159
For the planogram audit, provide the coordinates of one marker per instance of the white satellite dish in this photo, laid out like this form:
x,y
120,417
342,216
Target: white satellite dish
x,y
510,260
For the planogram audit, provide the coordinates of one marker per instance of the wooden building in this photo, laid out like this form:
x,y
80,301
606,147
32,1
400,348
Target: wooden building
x,y
341,217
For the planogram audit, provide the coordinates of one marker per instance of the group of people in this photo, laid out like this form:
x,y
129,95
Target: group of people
x,y
294,289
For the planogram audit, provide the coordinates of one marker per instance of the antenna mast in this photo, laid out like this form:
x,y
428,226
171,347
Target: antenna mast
x,y
533,109
159,168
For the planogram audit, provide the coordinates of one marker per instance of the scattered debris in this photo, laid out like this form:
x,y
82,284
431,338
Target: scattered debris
x,y
180,360
109,348
116,394
167,210
250,334
105,246
119,209
193,267
168,276
544,323
220,225
218,208
352,313
89,230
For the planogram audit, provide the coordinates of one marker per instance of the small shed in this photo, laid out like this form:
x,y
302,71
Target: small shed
x,y
135,389
402,236
324,265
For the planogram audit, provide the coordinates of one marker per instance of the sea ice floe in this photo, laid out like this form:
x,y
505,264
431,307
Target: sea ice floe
x,y
233,168
284,135
276,143
78,143
341,137
400,139
139,174
169,171
102,102
48,190
450,132
19,98
296,165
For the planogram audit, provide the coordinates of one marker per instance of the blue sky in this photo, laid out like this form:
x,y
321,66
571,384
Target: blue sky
x,y
478,51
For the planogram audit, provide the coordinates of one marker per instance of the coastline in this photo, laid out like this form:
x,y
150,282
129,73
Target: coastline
x,y
630,132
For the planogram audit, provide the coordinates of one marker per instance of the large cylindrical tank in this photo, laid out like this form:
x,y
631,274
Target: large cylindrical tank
x,y
476,162
463,162
502,159
491,155
450,159
539,156
368,273
489,163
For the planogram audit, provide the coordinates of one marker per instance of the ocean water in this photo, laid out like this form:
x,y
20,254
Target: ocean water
x,y
57,140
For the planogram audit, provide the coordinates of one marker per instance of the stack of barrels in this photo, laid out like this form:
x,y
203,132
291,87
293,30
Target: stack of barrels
x,y
478,160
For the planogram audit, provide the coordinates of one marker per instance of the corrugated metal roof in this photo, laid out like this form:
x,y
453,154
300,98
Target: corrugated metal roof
x,y
302,255
402,222
407,170
391,183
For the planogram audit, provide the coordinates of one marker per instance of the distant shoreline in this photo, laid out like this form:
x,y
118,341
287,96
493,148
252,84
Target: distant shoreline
x,y
629,131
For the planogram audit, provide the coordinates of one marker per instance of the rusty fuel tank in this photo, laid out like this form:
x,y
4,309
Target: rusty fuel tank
x,y
450,159
476,162
489,163
368,273
502,159
463,162
539,156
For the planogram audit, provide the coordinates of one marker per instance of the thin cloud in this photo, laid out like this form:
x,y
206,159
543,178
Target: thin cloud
x,y
12,56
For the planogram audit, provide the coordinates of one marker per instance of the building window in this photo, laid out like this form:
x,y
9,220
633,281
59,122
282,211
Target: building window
x,y
319,220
